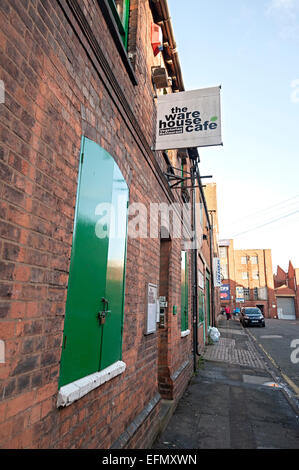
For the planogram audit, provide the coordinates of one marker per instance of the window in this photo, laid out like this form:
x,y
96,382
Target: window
x,y
256,293
184,291
255,275
254,260
244,260
121,10
244,275
92,338
246,293
223,252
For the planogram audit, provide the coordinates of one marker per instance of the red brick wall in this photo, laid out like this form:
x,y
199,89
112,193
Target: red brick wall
x,y
56,90
264,268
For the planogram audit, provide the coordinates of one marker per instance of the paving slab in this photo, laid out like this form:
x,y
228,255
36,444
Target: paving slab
x,y
227,404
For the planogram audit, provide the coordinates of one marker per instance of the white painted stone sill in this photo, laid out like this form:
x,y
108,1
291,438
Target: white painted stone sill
x,y
185,333
76,390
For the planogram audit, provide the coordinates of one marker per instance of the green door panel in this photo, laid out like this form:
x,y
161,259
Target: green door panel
x,y
184,291
83,333
208,301
112,329
201,310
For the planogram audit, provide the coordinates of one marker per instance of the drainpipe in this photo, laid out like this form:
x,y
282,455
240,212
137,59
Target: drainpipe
x,y
196,352
162,6
212,276
210,228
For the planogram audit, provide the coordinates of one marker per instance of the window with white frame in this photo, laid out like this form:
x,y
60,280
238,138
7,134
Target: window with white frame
x,y
223,252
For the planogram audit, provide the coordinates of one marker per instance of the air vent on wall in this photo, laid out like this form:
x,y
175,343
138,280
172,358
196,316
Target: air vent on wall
x,y
160,77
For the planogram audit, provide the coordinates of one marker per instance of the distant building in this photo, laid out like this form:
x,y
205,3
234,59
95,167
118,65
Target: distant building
x,y
247,278
286,286
210,191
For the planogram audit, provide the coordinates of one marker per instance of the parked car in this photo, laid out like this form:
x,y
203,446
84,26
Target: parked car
x,y
252,316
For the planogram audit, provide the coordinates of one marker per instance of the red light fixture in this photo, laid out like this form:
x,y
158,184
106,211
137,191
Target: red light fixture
x,y
156,39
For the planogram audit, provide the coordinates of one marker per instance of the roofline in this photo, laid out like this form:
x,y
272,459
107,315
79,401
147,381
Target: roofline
x,y
170,53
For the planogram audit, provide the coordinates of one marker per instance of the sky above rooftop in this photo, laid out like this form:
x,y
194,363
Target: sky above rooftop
x,y
251,49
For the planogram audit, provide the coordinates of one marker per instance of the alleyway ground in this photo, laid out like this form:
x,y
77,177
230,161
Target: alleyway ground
x,y
227,404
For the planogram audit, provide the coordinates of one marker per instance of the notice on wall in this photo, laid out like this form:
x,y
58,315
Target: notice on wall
x,y
201,280
189,119
152,298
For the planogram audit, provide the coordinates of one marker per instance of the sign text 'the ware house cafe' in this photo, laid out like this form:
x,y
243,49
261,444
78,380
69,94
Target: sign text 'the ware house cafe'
x,y
189,119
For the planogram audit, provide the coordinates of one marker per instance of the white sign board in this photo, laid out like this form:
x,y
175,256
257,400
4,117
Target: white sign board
x,y
189,119
217,272
201,280
152,298
239,294
224,243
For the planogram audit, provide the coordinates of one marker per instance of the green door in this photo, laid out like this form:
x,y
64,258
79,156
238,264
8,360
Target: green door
x,y
201,307
208,300
184,291
112,329
94,259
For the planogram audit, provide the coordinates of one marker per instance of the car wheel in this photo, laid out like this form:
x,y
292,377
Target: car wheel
x,y
263,325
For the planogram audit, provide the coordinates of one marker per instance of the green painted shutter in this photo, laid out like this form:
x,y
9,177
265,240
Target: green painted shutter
x,y
90,263
208,297
184,291
201,314
115,279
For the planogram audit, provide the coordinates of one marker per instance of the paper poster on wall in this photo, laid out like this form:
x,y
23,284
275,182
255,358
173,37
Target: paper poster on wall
x,y
152,297
189,119
201,280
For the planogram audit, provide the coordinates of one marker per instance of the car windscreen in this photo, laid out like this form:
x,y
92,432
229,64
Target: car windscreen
x,y
252,311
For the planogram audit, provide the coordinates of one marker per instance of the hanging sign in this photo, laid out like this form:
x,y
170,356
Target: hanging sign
x,y
217,272
189,119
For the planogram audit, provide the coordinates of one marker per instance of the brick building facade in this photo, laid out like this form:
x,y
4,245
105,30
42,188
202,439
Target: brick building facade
x,y
79,95
286,284
208,300
210,192
247,275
